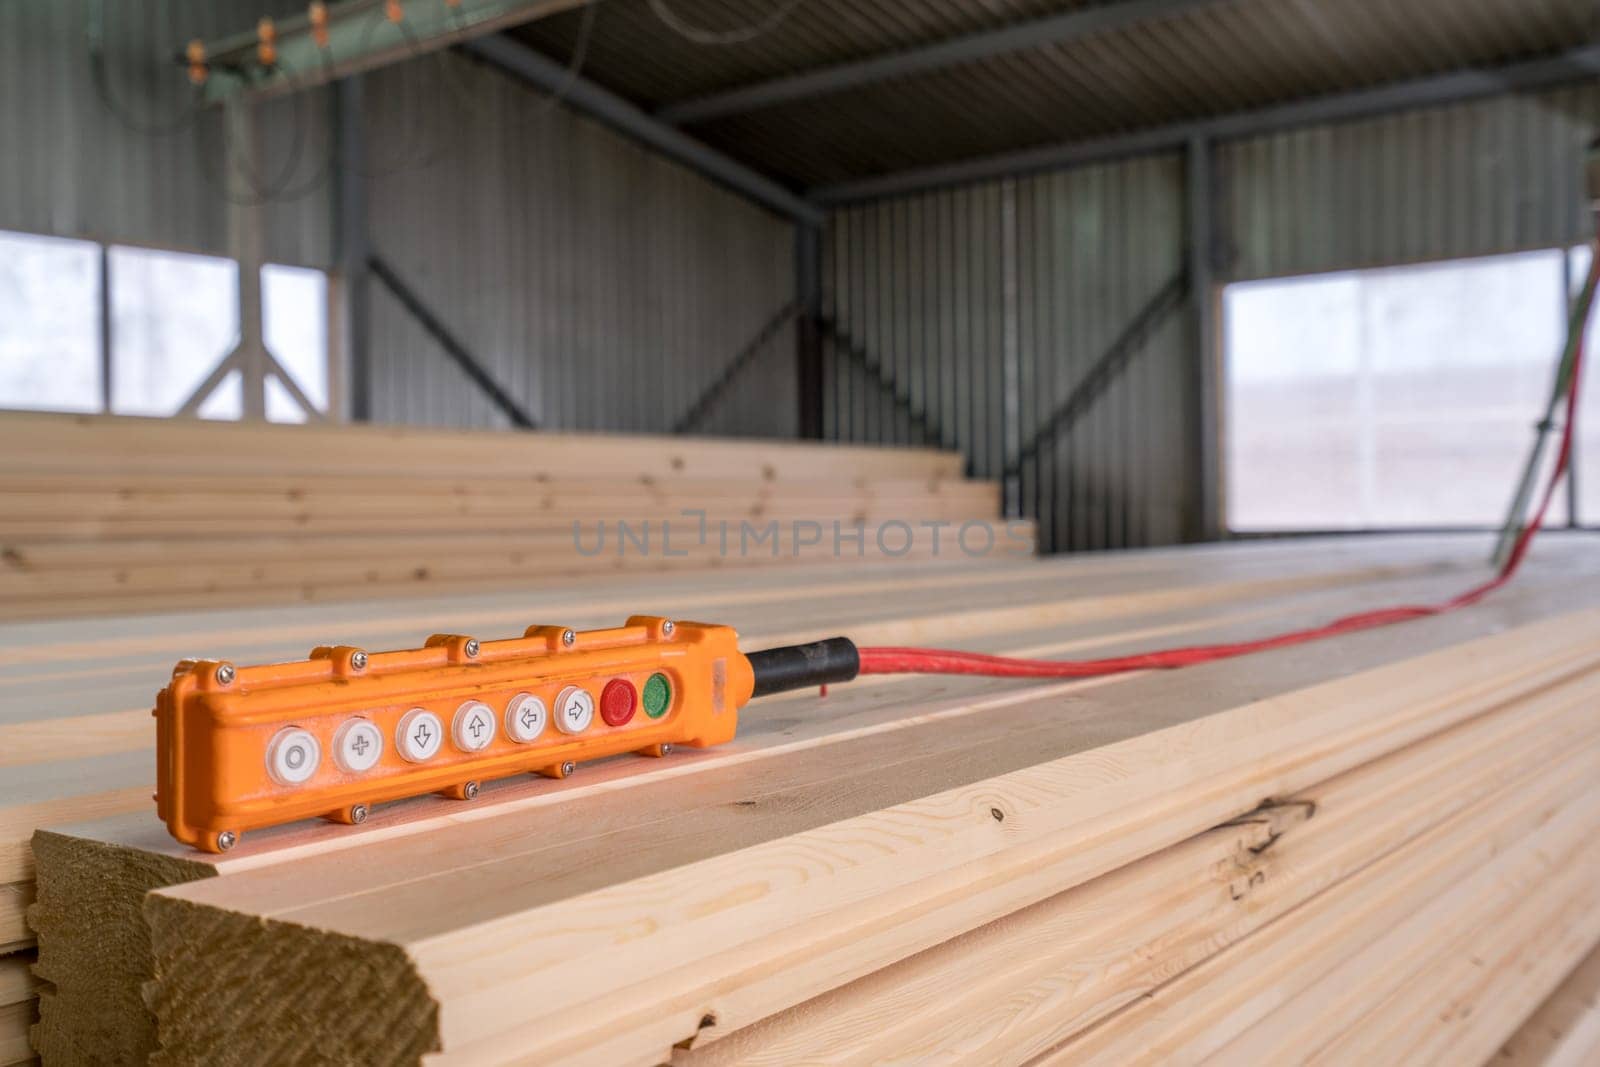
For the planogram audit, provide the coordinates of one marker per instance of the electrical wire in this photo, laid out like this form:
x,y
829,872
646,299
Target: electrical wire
x,y
943,661
743,35
100,77
280,189
411,159
551,99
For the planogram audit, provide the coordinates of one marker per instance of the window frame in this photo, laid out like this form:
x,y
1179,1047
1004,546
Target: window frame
x,y
1225,416
105,340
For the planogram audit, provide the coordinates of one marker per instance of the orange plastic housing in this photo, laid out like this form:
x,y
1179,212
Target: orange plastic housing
x,y
222,767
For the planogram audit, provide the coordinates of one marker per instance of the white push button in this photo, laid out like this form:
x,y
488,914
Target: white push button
x,y
419,735
473,727
293,756
574,710
357,745
525,718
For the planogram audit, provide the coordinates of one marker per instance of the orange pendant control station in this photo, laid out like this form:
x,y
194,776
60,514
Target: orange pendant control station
x,y
239,748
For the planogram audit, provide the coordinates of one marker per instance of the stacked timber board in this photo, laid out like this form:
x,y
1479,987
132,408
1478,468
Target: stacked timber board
x,y
1379,847
111,515
1565,1031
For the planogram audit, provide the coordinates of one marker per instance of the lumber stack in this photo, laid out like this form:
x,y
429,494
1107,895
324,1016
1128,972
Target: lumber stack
x,y
1565,1031
1381,846
113,514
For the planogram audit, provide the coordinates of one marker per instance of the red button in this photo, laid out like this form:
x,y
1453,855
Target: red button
x,y
617,701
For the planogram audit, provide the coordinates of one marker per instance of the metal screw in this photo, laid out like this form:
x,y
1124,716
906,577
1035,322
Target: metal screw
x,y
666,750
568,637
225,674
472,648
227,839
470,790
568,767
358,814
358,660
667,628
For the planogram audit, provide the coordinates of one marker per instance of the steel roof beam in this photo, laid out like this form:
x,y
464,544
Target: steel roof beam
x,y
1575,65
360,37
966,49
535,68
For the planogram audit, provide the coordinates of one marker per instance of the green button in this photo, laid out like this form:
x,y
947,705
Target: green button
x,y
657,696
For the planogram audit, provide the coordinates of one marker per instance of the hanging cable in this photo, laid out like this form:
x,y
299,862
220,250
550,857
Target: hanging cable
x,y
281,188
742,35
553,98
943,661
99,76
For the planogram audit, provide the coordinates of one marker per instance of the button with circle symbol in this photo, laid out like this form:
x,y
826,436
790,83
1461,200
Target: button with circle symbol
x,y
525,718
357,745
419,735
473,727
293,756
574,710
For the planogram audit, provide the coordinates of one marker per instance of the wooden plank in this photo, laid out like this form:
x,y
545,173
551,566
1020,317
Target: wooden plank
x,y
1469,999
1011,990
17,982
45,642
122,783
1083,610
17,1014
883,883
1475,865
107,514
107,444
1169,610
14,1022
1565,1030
1003,607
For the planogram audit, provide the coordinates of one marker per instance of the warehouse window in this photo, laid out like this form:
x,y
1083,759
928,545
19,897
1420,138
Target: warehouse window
x,y
1391,398
49,323
294,324
174,317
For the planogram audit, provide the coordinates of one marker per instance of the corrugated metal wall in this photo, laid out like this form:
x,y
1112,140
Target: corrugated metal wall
x,y
950,304
1498,175
602,286
75,167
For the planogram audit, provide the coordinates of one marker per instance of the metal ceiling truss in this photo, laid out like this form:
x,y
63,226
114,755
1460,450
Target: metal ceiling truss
x,y
516,58
969,48
1575,65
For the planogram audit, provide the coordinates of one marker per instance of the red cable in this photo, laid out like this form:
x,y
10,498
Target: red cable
x,y
944,661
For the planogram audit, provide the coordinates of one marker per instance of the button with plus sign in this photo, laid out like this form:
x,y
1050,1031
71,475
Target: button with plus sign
x,y
357,745
473,727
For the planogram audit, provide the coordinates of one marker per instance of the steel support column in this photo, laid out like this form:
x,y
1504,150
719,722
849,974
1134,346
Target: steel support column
x,y
1206,471
354,252
808,327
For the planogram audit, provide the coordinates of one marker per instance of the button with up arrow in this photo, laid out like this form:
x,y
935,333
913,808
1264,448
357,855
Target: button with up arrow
x,y
473,727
